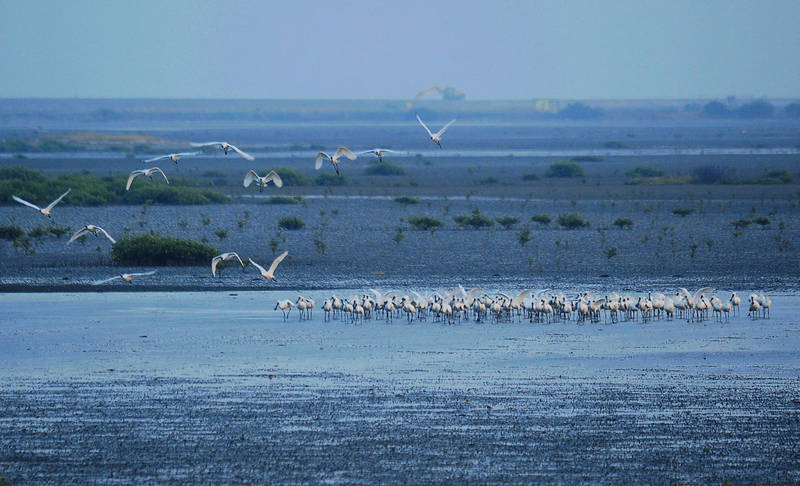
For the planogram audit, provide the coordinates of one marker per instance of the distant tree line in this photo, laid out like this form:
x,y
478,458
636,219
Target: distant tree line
x,y
753,109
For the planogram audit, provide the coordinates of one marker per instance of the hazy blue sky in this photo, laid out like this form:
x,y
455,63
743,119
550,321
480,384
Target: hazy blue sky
x,y
383,49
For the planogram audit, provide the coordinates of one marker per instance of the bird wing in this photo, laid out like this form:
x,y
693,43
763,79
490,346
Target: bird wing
x,y
320,156
214,262
701,292
378,296
346,152
52,204
275,178
157,158
100,282
250,177
238,258
77,235
373,151
424,125
441,132
262,269
156,169
131,177
107,235
242,153
206,144
22,201
521,297
685,292
277,261
186,154
143,274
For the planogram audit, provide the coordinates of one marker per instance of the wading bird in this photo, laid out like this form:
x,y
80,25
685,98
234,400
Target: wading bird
x,y
285,306
435,137
145,172
262,182
128,277
44,211
95,230
225,147
224,257
270,274
172,157
335,159
378,152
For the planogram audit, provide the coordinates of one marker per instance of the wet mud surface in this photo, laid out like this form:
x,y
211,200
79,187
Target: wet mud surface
x,y
215,388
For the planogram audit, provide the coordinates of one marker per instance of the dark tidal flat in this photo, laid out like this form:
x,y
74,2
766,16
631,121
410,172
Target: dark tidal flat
x,y
216,388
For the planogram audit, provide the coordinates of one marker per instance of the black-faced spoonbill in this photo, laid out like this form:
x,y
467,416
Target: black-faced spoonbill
x,y
335,159
262,182
435,137
44,211
95,230
224,257
145,172
225,147
270,274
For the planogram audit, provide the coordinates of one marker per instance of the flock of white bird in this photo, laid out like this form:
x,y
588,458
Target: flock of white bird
x,y
541,306
251,177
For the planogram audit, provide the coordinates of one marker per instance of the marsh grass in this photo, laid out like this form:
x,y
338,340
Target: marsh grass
x,y
476,220
543,219
407,200
284,200
572,221
425,223
154,249
384,168
623,223
291,223
507,222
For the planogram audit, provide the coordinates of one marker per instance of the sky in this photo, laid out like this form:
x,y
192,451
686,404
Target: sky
x,y
560,49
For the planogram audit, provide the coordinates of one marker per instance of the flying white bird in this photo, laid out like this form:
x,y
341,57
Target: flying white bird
x,y
145,172
379,153
125,276
44,211
224,257
172,157
225,147
95,230
263,182
335,159
270,274
435,137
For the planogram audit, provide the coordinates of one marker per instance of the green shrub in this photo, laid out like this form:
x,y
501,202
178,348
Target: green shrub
x,y
741,223
761,221
284,200
291,223
326,179
530,177
10,232
292,177
163,194
221,233
406,200
783,175
425,223
542,219
153,249
564,169
644,171
572,221
487,181
384,169
476,220
710,174
682,212
623,223
507,222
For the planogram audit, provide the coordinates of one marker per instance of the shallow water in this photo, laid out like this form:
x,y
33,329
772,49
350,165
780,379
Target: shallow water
x,y
155,387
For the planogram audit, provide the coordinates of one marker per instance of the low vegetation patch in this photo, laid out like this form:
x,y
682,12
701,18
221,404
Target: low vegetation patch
x,y
644,171
284,200
10,232
530,177
507,222
741,223
326,179
91,190
406,200
213,174
487,181
45,144
542,219
682,212
762,221
291,223
587,158
291,177
384,169
476,220
623,223
615,144
564,169
153,249
572,221
425,223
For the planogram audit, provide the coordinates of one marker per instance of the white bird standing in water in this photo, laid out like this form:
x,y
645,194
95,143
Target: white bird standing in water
x,y
435,137
378,152
335,159
224,257
46,210
225,147
262,182
172,157
128,277
145,172
95,230
270,274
